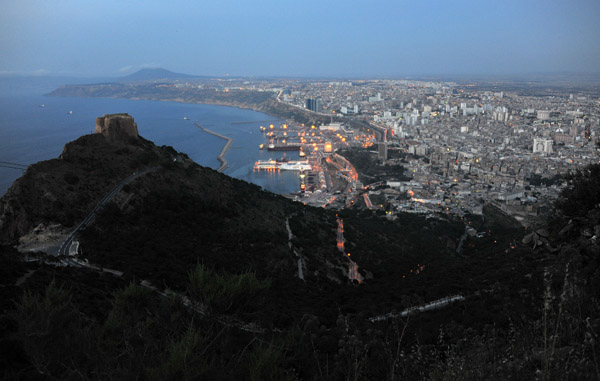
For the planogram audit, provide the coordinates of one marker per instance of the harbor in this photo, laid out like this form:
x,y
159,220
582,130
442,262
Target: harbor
x,y
304,147
324,177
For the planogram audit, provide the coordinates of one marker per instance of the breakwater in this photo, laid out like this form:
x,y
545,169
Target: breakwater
x,y
221,156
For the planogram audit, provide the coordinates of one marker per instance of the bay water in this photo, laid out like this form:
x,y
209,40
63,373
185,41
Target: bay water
x,y
34,127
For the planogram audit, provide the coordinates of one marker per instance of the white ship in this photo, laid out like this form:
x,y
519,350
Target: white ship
x,y
266,164
271,165
295,166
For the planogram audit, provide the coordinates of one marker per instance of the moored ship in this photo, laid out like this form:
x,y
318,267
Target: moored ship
x,y
286,147
272,165
295,166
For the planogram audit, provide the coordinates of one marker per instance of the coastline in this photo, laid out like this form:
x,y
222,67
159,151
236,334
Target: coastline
x,y
269,106
261,102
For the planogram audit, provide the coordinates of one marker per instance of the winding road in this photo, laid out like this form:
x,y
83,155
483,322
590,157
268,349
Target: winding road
x,y
65,247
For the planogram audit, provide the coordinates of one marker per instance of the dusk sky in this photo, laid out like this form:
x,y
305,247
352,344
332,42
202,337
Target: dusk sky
x,y
299,38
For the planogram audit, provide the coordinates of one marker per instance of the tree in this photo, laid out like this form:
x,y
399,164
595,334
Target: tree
x,y
582,192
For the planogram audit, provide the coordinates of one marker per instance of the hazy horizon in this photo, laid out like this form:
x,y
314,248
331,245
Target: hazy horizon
x,y
526,76
300,39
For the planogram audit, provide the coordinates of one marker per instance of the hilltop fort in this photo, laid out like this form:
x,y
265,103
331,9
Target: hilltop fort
x,y
116,125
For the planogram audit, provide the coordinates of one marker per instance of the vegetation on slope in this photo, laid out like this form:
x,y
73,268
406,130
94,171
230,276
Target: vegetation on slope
x,y
228,304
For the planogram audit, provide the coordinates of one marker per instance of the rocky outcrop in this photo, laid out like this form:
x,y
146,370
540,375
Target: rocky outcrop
x,y
538,238
116,126
60,192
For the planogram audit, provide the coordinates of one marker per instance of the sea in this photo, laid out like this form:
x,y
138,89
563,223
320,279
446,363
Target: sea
x,y
35,127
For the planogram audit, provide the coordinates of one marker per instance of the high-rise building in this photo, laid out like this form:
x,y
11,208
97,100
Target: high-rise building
x,y
501,114
376,98
313,104
542,145
543,114
309,104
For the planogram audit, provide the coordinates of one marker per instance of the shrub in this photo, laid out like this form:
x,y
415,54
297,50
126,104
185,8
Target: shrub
x,y
185,360
52,332
224,292
266,363
71,178
582,192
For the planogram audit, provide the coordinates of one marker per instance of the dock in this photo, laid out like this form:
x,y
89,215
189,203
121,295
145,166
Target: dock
x,y
221,156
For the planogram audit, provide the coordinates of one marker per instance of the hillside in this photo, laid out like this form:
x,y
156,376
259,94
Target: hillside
x,y
204,280
180,205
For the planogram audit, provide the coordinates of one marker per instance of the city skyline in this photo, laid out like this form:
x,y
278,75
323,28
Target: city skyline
x,y
303,39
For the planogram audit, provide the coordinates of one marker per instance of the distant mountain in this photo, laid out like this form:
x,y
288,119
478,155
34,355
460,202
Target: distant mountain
x,y
157,74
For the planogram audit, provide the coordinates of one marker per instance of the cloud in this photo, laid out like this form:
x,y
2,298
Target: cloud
x,y
134,68
31,73
40,72
10,72
126,69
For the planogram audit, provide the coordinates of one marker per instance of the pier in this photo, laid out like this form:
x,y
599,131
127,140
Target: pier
x,y
221,156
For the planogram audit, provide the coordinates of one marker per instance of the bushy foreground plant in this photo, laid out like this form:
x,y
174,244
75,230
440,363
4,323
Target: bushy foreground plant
x,y
223,292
